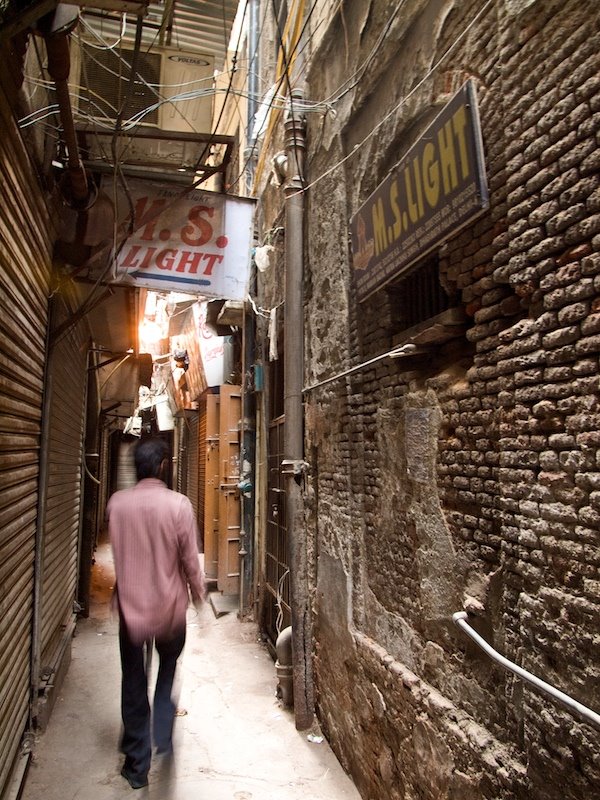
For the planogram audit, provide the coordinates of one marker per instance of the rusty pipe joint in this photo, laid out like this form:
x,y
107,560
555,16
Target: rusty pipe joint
x,y
284,667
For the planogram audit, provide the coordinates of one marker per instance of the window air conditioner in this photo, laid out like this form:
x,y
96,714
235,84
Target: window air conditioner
x,y
103,77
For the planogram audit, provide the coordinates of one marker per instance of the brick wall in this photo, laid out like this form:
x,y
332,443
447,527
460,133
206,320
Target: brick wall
x,y
469,477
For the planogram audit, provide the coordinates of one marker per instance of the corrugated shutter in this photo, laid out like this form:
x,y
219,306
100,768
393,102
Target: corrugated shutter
x,y
201,470
126,477
192,462
181,471
25,256
67,376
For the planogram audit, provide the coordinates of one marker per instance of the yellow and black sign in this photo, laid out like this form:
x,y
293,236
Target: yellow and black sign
x,y
437,188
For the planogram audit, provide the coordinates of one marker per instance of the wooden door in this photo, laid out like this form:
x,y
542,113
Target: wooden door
x,y
228,577
211,486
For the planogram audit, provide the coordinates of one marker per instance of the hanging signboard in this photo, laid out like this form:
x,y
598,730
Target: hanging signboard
x,y
196,242
212,348
437,188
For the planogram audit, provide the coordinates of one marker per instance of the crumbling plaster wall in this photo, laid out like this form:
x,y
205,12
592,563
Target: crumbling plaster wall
x,y
467,479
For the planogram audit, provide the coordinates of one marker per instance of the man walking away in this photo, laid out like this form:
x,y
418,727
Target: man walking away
x,y
154,538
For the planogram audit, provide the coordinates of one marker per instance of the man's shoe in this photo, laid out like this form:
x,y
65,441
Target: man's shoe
x,y
135,781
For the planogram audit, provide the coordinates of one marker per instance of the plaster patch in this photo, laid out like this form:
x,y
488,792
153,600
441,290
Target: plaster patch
x,y
334,603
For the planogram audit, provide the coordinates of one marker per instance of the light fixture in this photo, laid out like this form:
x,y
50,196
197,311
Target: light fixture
x,y
150,332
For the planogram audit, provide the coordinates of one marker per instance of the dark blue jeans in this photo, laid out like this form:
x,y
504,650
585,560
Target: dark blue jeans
x,y
136,743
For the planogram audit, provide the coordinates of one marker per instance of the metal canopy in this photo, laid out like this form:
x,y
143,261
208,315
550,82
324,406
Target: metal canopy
x,y
194,26
187,154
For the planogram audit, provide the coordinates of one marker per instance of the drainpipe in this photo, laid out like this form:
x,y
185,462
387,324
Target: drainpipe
x,y
56,29
293,445
250,155
247,483
252,105
249,472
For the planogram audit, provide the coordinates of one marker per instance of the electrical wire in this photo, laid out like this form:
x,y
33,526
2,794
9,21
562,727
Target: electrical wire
x,y
118,41
286,71
402,102
353,80
210,142
271,104
290,32
118,173
236,93
296,103
305,105
84,43
134,121
51,111
279,601
105,120
396,352
133,75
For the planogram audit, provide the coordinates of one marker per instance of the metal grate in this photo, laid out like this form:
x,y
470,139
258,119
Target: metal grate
x,y
418,296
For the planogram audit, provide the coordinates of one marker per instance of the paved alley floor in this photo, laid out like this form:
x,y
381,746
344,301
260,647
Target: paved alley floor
x,y
233,740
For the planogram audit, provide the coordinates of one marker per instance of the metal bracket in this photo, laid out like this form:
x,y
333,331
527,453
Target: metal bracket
x,y
296,467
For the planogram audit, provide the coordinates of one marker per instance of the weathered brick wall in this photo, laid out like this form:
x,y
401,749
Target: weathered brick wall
x,y
469,478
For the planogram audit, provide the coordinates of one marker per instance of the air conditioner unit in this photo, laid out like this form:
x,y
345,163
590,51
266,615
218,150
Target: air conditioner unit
x,y
103,79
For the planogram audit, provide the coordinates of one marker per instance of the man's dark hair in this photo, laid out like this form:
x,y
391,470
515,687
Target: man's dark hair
x,y
149,455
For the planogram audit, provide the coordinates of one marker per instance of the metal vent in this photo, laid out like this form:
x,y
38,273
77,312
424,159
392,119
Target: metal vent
x,y
105,77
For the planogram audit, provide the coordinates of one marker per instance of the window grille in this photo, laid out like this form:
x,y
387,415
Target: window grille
x,y
418,296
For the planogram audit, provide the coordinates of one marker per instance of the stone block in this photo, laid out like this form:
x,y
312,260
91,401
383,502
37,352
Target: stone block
x,y
557,150
590,165
559,184
588,344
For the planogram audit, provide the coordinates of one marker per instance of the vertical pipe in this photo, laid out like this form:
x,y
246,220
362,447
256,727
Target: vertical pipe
x,y
253,60
247,469
57,47
293,408
261,491
253,25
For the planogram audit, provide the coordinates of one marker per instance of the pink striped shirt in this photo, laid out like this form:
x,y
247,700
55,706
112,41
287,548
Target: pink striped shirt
x,y
154,535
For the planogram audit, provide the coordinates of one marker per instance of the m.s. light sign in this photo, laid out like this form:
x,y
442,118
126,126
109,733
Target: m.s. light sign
x,y
436,189
196,241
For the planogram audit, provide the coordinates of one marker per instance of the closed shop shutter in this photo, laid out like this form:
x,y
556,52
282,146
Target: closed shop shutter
x,y
182,442
67,374
201,470
126,477
192,462
26,243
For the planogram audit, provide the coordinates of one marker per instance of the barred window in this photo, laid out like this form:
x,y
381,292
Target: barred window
x,y
418,296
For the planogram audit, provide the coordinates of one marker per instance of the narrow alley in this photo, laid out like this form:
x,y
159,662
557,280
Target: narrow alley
x,y
340,259
233,738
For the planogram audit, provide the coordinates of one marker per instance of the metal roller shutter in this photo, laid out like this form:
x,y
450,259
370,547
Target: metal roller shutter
x,y
182,442
26,240
201,469
126,477
67,375
192,462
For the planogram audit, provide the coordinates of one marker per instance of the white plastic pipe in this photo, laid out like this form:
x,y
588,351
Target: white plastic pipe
x,y
460,618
